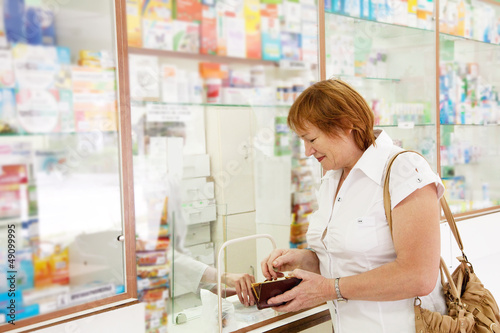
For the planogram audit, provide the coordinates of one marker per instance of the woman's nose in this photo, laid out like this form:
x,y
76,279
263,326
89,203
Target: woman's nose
x,y
309,150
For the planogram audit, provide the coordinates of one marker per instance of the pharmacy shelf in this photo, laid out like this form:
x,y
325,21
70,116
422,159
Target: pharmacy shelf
x,y
471,125
465,39
5,222
14,220
210,105
200,57
54,133
384,30
406,125
374,79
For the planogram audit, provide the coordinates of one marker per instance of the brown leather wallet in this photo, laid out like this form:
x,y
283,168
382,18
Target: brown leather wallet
x,y
263,291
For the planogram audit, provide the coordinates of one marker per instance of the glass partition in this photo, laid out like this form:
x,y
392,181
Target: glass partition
x,y
211,83
392,64
61,207
470,118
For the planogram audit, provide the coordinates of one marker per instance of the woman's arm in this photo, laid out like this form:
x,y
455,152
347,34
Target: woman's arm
x,y
416,238
414,272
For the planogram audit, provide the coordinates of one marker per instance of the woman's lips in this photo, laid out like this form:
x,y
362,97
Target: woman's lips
x,y
320,158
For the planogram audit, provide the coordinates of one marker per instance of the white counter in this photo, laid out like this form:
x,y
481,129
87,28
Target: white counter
x,y
243,317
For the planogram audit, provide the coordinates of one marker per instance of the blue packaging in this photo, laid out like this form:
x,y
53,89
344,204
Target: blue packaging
x,y
25,276
340,6
328,6
13,11
48,27
21,312
335,6
271,46
366,9
291,46
63,55
8,116
5,299
33,25
119,289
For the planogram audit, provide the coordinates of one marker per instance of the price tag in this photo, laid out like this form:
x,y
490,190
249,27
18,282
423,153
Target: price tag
x,y
168,113
63,300
406,124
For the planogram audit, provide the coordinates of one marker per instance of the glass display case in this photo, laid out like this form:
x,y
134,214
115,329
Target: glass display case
x,y
432,84
469,105
391,62
66,214
211,83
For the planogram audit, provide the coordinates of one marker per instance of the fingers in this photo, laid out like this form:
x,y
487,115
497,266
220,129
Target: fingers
x,y
287,298
250,292
291,296
239,293
271,265
243,287
265,267
246,290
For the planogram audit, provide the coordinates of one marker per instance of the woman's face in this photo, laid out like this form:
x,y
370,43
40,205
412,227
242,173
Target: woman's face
x,y
332,151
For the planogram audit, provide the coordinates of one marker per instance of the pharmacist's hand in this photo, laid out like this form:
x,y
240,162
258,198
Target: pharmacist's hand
x,y
228,291
243,285
314,289
283,260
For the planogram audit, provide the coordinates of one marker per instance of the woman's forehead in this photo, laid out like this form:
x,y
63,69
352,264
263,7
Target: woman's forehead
x,y
307,128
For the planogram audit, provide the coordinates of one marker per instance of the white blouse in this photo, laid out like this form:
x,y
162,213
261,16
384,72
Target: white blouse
x,y
353,236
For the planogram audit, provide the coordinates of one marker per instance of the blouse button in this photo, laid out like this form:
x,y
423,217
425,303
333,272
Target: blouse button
x,y
339,199
419,180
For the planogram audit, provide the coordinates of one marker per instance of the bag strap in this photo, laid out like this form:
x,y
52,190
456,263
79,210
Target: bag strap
x,y
444,205
452,223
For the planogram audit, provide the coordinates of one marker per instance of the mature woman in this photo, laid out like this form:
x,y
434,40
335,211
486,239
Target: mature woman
x,y
368,278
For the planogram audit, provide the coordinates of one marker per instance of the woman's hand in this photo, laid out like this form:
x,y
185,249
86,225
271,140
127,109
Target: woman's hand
x,y
243,285
313,290
283,260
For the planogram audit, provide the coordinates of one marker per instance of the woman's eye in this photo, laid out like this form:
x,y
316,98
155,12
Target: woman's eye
x,y
312,141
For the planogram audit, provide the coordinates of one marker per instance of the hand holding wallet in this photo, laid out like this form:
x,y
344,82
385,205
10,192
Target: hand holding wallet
x,y
263,291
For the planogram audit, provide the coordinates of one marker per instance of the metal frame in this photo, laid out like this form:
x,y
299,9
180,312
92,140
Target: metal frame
x,y
219,264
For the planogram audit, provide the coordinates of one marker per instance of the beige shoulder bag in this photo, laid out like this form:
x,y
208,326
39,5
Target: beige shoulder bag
x,y
471,307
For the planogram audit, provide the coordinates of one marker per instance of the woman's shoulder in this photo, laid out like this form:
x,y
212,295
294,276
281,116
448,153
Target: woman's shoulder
x,y
410,172
409,161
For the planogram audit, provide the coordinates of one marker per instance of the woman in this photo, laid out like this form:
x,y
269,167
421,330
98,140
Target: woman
x,y
368,278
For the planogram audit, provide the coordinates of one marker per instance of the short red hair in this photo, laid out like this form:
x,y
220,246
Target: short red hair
x,y
333,105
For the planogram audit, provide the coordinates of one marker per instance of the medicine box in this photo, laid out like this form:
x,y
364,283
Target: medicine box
x,y
196,189
196,166
251,10
158,10
157,34
197,234
200,211
134,23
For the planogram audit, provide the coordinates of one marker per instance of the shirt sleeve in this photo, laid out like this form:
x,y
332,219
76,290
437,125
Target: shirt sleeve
x,y
411,172
188,271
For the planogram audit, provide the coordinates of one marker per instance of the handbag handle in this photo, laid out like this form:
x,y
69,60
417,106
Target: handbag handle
x,y
444,205
447,213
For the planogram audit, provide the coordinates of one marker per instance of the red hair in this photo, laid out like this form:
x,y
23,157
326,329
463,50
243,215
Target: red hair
x,y
331,106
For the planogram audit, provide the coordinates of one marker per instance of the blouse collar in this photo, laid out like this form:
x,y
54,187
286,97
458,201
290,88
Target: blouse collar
x,y
373,160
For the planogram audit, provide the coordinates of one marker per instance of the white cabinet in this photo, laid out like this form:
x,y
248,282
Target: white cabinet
x,y
229,144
